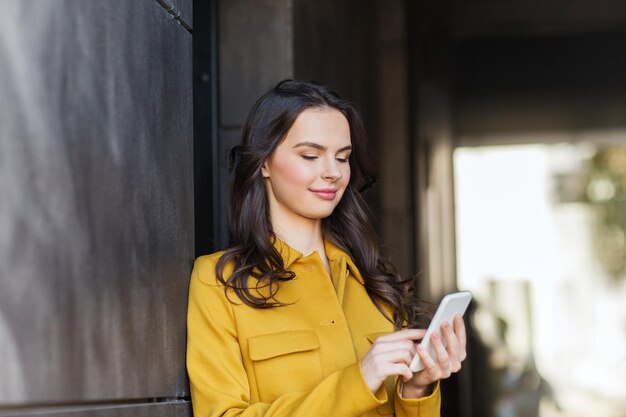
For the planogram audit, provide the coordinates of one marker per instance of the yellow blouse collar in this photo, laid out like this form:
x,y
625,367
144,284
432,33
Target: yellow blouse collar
x,y
333,252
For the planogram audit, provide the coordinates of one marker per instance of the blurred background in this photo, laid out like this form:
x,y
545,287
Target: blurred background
x,y
498,127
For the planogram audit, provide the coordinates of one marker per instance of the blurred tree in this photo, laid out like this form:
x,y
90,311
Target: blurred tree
x,y
606,192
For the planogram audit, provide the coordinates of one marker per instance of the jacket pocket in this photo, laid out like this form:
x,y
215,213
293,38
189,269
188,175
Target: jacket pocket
x,y
285,362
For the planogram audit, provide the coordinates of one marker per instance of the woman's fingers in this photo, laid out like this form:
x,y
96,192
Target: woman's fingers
x,y
398,356
453,346
383,347
443,359
391,363
427,360
459,330
447,357
390,355
407,334
403,371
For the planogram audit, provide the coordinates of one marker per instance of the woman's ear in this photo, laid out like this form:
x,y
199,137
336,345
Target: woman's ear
x,y
265,171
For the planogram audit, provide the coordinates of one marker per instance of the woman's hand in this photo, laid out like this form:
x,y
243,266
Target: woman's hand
x,y
391,355
447,361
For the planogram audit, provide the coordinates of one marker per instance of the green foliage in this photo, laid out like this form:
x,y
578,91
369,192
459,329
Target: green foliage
x,y
606,192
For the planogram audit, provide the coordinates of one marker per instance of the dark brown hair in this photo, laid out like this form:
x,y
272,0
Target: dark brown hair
x,y
258,267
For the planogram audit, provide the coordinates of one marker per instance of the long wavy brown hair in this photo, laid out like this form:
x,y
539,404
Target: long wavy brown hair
x,y
257,267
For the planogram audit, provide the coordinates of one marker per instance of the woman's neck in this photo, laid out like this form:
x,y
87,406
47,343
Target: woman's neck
x,y
304,236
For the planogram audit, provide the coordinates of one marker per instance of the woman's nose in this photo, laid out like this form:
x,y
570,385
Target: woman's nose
x,y
332,171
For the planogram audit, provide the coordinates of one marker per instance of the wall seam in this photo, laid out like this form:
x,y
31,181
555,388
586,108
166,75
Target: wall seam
x,y
174,13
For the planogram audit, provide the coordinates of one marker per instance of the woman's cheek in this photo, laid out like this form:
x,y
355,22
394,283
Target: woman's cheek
x,y
293,171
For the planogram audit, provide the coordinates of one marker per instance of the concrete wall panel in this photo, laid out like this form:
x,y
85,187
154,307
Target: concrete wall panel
x,y
255,45
181,10
172,409
96,209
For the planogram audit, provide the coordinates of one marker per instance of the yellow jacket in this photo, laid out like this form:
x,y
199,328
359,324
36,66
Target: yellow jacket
x,y
293,361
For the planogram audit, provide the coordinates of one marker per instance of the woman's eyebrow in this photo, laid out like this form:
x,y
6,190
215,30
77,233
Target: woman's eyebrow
x,y
311,145
320,147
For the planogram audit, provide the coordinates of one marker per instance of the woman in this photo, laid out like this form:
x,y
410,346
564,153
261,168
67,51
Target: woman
x,y
301,316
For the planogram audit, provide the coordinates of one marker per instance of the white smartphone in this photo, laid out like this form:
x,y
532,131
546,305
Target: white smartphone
x,y
451,305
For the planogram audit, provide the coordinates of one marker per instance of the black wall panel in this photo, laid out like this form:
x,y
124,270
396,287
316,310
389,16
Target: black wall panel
x,y
96,201
181,10
172,409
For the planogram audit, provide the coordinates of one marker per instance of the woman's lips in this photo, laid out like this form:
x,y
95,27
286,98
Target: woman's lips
x,y
325,194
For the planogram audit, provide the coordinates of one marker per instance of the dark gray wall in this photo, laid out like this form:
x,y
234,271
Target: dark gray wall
x,y
334,44
157,409
518,84
96,208
255,45
392,138
180,10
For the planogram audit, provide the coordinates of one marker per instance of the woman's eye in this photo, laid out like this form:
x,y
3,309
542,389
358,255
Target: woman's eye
x,y
342,159
309,157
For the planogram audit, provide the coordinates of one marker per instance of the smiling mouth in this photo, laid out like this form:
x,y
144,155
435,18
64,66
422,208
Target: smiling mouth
x,y
325,194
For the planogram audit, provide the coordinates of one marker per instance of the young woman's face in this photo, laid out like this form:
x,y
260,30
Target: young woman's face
x,y
309,171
